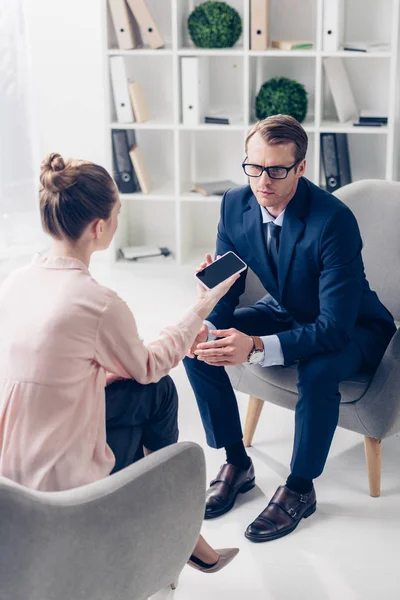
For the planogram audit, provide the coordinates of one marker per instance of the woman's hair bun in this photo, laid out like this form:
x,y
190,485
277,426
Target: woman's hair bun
x,y
73,194
57,175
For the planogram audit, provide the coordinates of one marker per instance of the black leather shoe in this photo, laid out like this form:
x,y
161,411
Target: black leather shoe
x,y
224,489
282,515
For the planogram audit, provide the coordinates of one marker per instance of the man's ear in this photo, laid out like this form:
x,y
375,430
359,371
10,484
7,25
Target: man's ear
x,y
301,168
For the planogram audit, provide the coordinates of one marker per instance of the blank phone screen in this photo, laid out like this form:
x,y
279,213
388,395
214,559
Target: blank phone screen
x,y
220,270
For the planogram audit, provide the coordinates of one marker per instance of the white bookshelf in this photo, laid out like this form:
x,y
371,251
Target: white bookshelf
x,y
177,155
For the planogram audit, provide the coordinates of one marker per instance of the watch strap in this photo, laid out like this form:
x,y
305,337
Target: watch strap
x,y
258,346
258,343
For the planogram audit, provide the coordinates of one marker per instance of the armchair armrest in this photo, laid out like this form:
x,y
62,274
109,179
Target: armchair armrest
x,y
379,408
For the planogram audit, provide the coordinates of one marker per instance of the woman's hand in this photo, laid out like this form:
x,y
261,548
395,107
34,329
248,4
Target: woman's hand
x,y
202,336
201,290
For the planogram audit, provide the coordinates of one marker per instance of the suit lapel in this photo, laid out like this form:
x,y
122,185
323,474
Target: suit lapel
x,y
292,228
253,227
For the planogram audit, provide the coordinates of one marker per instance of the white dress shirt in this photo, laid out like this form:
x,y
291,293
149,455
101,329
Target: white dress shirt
x,y
272,345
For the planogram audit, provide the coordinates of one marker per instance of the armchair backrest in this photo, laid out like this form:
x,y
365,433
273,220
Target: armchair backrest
x,y
376,205
124,537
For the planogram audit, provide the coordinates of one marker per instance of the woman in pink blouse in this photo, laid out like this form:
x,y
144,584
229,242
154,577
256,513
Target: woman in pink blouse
x,y
64,337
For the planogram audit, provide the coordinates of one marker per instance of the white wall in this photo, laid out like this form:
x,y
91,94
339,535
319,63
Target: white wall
x,y
68,77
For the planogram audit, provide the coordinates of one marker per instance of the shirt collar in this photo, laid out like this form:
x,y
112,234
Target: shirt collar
x,y
268,218
59,262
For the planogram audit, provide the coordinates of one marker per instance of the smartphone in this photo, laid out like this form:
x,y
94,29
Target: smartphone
x,y
220,269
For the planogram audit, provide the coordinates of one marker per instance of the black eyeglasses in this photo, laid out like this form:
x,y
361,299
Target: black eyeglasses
x,y
273,172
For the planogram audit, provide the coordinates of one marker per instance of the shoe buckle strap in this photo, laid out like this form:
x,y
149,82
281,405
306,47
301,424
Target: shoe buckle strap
x,y
304,498
214,481
288,510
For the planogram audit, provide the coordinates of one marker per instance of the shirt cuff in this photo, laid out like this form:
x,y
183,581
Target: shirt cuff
x,y
273,351
210,327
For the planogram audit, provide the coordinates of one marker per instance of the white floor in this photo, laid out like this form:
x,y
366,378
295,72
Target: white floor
x,y
349,549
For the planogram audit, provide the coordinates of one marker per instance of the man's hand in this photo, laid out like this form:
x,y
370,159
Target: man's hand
x,y
233,349
201,337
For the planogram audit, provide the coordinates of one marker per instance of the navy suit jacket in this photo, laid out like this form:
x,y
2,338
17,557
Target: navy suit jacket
x,y
321,281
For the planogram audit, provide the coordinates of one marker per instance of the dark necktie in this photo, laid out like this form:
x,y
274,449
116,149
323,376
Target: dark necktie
x,y
273,246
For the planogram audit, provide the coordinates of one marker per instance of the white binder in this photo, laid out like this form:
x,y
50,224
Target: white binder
x,y
119,81
194,89
333,32
339,83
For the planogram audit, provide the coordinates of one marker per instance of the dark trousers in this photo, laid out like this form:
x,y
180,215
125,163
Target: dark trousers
x,y
140,416
317,409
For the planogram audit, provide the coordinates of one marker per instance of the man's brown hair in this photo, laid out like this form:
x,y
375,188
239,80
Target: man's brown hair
x,y
281,129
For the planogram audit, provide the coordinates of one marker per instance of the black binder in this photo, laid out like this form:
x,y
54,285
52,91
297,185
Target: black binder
x,y
124,174
336,160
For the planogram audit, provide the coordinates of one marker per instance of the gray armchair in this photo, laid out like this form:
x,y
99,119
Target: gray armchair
x,y
370,403
124,537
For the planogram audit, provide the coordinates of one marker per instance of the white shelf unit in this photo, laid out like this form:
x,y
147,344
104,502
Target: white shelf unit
x,y
177,155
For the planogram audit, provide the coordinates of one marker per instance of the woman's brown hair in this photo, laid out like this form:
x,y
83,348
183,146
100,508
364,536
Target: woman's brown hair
x,y
73,194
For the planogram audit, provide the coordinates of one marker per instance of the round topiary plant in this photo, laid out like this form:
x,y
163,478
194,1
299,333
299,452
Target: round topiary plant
x,y
214,25
282,96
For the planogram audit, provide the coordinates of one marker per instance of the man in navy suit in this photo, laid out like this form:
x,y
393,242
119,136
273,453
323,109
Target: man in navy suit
x,y
320,313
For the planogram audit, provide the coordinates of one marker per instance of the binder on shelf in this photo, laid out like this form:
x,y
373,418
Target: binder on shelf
x,y
216,120
335,160
194,89
367,46
146,22
124,174
138,252
292,45
138,101
369,124
342,94
119,81
373,116
220,116
124,26
139,167
333,32
259,24
214,188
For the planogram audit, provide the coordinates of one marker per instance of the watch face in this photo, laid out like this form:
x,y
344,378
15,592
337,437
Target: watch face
x,y
256,357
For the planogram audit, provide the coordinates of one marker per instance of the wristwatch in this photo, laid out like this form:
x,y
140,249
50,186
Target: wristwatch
x,y
257,354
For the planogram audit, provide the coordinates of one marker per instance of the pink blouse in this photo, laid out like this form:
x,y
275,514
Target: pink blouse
x,y
60,332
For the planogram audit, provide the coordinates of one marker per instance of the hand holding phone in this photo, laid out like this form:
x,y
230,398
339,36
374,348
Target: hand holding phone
x,y
221,269
211,292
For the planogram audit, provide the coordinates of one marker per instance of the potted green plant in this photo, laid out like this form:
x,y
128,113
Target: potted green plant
x,y
282,96
214,25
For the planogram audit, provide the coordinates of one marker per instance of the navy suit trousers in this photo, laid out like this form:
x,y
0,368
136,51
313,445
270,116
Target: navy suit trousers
x,y
317,409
